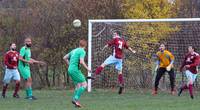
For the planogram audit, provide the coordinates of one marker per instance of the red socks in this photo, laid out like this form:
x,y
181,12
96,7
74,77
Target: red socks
x,y
120,79
120,76
16,88
98,70
4,89
190,90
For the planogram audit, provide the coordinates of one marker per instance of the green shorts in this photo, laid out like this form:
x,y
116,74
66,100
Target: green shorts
x,y
76,76
25,72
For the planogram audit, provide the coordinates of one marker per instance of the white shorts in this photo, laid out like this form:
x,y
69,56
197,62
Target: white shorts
x,y
11,74
190,75
112,60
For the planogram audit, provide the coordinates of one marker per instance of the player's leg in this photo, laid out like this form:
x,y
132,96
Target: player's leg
x,y
108,61
184,86
172,80
191,82
26,75
118,66
190,85
121,82
79,90
29,89
191,79
6,81
16,77
80,85
159,74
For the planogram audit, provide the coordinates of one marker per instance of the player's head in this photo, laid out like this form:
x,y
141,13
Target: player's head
x,y
28,42
83,43
162,47
116,34
191,49
13,46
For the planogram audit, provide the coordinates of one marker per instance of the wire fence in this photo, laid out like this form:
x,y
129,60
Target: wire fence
x,y
138,69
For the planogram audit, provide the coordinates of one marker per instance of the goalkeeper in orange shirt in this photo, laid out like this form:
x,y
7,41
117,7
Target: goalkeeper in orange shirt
x,y
165,61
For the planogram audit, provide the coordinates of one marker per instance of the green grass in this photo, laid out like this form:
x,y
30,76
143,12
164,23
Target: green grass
x,y
101,100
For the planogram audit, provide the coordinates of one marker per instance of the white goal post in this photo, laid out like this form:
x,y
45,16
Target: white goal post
x,y
90,22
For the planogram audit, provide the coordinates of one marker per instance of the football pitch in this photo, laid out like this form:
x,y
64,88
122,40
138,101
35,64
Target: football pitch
x,y
101,100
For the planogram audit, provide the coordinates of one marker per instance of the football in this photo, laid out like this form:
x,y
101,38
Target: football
x,y
76,23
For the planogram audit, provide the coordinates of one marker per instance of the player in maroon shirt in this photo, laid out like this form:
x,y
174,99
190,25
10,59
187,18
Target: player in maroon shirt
x,y
117,44
11,72
190,63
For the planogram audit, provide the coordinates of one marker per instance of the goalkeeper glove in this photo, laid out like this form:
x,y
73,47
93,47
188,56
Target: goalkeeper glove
x,y
168,68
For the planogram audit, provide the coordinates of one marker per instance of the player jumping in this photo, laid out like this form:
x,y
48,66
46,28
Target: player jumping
x,y
11,62
73,59
190,63
118,44
164,63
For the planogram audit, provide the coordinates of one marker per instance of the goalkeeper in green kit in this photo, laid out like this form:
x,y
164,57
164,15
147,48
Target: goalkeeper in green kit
x,y
73,59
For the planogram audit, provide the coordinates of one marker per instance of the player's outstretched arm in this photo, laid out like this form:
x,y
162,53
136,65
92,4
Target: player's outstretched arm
x,y
37,62
66,59
133,51
22,59
84,64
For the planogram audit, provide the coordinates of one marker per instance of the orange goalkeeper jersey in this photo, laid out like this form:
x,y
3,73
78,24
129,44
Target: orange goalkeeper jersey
x,y
165,58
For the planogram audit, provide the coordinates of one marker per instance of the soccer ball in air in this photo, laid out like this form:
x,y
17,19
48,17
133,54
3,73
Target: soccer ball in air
x,y
76,23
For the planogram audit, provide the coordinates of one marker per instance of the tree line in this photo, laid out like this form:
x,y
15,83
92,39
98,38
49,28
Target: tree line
x,y
49,22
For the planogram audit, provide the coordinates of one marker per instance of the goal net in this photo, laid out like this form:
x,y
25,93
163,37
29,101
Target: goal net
x,y
144,36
